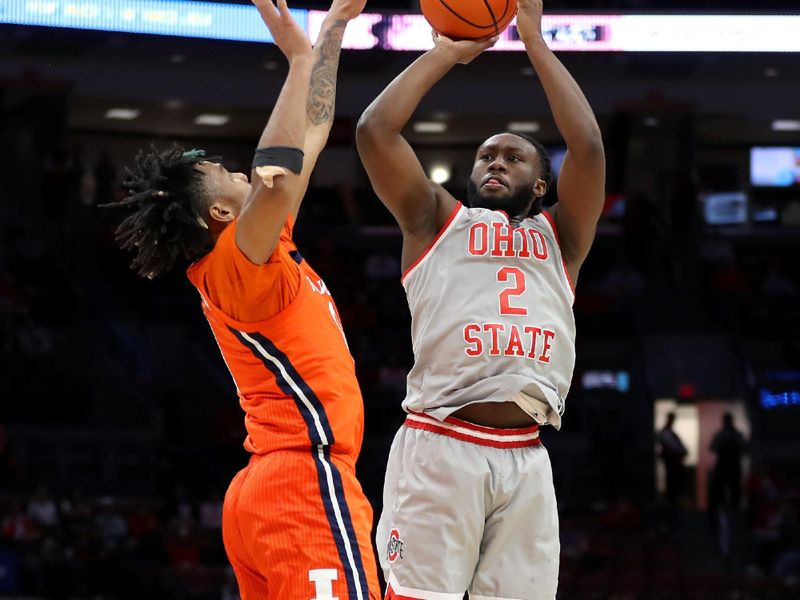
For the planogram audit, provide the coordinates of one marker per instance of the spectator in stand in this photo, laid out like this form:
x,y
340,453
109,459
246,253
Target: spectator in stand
x,y
211,513
111,526
18,526
43,511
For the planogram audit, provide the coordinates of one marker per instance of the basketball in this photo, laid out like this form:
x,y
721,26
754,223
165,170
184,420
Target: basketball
x,y
468,19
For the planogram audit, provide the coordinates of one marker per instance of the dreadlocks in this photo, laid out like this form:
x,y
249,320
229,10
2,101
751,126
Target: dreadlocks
x,y
544,162
168,197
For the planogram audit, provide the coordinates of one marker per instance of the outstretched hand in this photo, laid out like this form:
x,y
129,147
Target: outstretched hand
x,y
287,33
529,19
464,51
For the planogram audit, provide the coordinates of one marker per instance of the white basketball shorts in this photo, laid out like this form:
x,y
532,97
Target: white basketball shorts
x,y
468,508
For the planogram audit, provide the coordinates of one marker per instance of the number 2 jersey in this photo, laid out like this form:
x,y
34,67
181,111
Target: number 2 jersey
x,y
280,335
491,317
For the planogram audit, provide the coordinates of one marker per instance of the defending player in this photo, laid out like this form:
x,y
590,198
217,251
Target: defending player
x,y
469,503
296,524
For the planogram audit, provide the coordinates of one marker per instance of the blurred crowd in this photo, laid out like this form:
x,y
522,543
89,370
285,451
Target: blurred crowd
x,y
132,501
74,546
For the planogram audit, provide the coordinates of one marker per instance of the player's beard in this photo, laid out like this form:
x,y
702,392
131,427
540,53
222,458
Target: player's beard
x,y
517,204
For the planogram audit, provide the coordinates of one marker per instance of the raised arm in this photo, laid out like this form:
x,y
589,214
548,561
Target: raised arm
x,y
276,191
321,103
581,182
419,205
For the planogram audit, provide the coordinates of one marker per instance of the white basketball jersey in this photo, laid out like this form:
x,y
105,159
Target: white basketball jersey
x,y
491,317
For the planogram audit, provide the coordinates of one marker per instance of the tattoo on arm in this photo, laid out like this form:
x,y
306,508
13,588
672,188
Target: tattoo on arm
x,y
322,92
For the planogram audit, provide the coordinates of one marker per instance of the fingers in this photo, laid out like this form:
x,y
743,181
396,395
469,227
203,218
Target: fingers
x,y
490,42
268,12
265,6
269,174
284,9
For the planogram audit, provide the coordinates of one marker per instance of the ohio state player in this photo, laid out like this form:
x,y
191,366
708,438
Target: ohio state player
x,y
468,499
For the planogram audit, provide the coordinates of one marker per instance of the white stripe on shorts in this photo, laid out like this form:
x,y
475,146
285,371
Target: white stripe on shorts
x,y
420,594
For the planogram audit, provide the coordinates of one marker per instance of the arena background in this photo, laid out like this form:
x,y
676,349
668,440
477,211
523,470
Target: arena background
x,y
119,424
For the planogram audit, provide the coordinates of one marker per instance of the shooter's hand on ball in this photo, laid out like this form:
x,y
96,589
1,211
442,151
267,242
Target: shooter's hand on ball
x,y
463,51
529,20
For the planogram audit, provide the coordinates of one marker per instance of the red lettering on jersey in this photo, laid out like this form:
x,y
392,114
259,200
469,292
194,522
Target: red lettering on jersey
x,y
539,244
534,333
548,337
524,252
479,239
494,328
503,234
514,347
470,337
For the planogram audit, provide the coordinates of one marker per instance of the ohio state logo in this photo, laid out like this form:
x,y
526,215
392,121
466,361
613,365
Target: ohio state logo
x,y
395,546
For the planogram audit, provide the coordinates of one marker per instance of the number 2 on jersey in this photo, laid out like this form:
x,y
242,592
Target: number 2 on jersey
x,y
517,288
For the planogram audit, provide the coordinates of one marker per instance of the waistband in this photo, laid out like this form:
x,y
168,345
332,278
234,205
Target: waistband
x,y
475,434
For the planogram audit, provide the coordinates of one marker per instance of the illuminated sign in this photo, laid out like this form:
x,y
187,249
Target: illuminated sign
x,y
619,381
578,32
157,17
779,389
776,399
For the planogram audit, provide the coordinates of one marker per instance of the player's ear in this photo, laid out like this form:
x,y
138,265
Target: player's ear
x,y
219,210
539,187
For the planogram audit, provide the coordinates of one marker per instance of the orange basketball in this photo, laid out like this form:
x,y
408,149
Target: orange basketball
x,y
469,19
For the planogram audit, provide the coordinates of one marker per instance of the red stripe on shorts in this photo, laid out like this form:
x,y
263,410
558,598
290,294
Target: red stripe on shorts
x,y
428,425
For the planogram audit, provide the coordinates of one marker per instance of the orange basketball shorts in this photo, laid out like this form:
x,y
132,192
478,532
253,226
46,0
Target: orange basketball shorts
x,y
297,526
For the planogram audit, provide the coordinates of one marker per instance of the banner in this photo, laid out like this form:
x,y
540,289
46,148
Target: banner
x,y
410,32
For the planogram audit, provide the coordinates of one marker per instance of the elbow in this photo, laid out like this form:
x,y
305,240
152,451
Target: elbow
x,y
367,137
367,129
373,127
594,141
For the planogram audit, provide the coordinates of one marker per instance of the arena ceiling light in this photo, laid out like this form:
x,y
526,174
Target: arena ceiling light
x,y
786,125
430,127
440,173
524,126
123,114
212,120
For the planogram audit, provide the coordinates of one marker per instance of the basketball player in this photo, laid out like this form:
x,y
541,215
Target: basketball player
x,y
296,524
469,503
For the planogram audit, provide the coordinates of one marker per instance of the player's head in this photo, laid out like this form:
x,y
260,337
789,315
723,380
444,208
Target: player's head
x,y
181,202
511,173
727,420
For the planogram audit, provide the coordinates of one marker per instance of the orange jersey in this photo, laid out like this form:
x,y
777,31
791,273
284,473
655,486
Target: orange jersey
x,y
296,523
281,338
